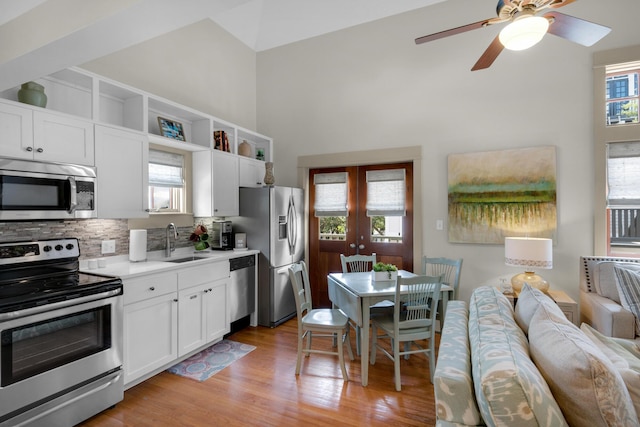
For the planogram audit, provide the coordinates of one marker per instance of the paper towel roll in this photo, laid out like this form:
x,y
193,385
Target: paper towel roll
x,y
137,245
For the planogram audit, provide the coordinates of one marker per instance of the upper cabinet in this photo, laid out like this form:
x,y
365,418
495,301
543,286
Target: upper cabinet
x,y
80,94
44,136
120,156
94,121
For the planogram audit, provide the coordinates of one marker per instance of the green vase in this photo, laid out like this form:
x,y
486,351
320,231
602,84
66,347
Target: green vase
x,y
32,93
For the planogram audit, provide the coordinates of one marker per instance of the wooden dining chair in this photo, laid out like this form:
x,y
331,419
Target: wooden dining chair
x,y
321,322
413,319
359,264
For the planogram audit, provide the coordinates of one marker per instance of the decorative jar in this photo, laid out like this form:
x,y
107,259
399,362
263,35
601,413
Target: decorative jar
x,y
269,179
32,93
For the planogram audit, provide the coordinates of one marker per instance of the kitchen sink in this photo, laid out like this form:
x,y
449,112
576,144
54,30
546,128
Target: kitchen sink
x,y
187,259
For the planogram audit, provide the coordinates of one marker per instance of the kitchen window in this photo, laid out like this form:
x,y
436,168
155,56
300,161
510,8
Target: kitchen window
x,y
166,181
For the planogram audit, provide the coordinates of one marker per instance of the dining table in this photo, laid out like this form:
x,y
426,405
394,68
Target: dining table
x,y
355,293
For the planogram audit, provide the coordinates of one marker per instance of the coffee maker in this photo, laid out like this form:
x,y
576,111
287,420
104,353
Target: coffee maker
x,y
221,235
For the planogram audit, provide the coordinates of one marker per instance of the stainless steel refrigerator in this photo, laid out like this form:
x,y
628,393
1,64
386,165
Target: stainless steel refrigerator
x,y
273,218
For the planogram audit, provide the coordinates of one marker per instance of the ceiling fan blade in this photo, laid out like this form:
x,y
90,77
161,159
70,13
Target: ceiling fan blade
x,y
560,3
453,31
489,55
575,29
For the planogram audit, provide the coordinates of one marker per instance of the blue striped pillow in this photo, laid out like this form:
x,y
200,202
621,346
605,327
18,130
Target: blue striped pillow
x,y
628,284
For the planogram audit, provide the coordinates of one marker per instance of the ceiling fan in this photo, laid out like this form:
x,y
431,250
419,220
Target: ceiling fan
x,y
526,28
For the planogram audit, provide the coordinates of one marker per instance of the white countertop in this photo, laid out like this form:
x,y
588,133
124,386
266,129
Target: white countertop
x,y
120,266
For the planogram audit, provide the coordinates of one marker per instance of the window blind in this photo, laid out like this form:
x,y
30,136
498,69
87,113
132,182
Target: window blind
x,y
386,191
165,169
331,194
623,174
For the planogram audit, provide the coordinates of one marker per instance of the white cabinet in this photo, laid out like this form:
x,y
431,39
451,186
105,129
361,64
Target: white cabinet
x,y
123,173
16,128
202,315
150,324
40,135
169,316
60,138
202,310
78,100
251,172
215,184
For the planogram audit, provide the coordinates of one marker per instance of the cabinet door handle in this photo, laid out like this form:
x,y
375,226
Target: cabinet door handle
x,y
175,300
39,150
193,297
29,149
152,288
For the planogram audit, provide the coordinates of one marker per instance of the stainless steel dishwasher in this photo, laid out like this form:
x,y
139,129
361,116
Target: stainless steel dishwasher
x,y
242,292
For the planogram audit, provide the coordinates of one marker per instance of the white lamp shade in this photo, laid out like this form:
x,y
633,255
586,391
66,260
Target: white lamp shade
x,y
524,32
528,252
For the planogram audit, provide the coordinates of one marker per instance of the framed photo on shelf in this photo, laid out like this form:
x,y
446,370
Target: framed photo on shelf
x,y
171,129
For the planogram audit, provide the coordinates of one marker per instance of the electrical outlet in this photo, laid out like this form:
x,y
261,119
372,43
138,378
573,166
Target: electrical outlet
x,y
108,246
439,225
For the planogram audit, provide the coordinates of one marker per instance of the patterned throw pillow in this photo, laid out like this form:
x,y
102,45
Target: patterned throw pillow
x,y
584,382
626,362
628,283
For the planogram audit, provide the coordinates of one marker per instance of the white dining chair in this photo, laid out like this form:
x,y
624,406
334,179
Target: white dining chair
x,y
321,322
449,268
413,319
359,264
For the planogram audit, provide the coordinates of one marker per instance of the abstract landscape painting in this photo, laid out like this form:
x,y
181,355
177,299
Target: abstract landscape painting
x,y
498,194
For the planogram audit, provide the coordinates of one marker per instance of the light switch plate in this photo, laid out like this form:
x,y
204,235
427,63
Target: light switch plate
x,y
108,246
439,225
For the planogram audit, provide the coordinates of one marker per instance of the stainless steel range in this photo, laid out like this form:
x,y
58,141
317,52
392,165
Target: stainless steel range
x,y
61,330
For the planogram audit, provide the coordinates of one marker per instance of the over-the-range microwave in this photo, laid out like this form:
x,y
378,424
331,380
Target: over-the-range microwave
x,y
38,190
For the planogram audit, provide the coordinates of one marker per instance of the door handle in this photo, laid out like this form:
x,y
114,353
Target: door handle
x,y
352,245
361,246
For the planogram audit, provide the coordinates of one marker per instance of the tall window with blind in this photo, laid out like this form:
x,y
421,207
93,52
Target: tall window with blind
x,y
166,182
331,204
623,195
386,195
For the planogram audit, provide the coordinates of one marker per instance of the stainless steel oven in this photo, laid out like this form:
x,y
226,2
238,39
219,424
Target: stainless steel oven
x,y
61,336
38,190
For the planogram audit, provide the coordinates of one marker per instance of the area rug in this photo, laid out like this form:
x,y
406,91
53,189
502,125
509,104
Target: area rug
x,y
201,366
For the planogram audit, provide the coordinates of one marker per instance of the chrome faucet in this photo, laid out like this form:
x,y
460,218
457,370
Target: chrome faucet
x,y
169,249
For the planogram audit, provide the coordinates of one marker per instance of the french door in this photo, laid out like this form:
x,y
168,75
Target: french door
x,y
389,236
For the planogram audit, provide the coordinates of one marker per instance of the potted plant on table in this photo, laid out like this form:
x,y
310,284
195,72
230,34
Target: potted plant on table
x,y
384,272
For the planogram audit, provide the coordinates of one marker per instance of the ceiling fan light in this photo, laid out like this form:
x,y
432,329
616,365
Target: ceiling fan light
x,y
523,33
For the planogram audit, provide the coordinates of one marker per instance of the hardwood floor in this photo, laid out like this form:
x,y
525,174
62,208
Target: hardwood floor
x,y
262,389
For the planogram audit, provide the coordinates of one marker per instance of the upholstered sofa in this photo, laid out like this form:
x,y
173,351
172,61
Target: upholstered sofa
x,y
530,366
600,303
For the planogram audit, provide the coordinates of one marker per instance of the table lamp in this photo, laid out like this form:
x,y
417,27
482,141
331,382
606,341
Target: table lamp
x,y
530,253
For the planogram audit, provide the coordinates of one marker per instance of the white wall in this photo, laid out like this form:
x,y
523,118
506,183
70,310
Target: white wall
x,y
371,87
201,66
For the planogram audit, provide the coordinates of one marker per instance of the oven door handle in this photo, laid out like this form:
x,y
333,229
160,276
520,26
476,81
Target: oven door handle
x,y
57,305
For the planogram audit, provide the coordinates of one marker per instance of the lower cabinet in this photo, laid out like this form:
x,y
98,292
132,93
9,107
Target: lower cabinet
x,y
169,316
150,335
202,315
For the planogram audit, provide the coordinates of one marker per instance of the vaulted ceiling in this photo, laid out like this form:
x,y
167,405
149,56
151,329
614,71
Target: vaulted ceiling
x,y
42,36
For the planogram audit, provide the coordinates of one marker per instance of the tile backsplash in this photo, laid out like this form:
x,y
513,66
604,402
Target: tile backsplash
x,y
91,233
